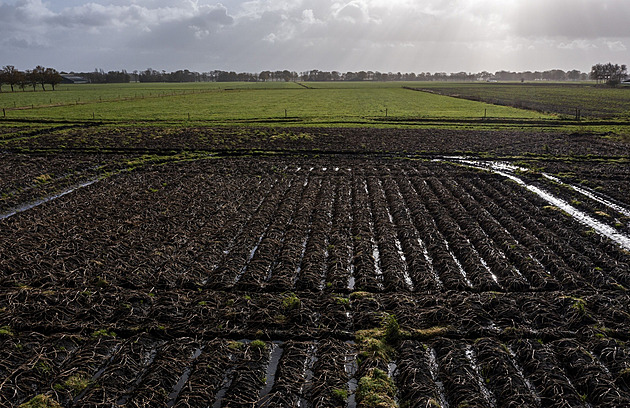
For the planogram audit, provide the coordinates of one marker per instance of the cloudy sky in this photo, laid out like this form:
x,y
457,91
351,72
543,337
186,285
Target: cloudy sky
x,y
343,35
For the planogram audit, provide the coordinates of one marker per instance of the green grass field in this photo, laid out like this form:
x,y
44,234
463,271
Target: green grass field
x,y
324,104
224,103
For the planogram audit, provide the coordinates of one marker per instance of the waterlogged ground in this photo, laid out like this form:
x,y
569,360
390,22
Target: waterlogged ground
x,y
239,278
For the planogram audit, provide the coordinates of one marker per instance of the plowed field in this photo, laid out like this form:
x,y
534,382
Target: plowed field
x,y
315,280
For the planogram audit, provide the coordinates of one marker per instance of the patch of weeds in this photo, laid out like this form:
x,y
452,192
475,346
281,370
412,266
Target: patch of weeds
x,y
77,383
42,179
43,368
376,390
6,331
378,343
579,305
258,344
392,330
291,302
202,303
340,395
425,334
361,295
103,333
340,300
235,345
41,401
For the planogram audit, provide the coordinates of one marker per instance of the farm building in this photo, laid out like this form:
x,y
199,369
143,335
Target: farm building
x,y
73,79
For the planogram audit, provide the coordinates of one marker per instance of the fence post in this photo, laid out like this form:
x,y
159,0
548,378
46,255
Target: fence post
x,y
4,114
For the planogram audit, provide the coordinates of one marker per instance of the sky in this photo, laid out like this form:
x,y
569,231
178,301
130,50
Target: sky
x,y
299,35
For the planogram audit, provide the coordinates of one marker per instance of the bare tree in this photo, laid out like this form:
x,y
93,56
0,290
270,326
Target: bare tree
x,y
52,77
39,76
11,76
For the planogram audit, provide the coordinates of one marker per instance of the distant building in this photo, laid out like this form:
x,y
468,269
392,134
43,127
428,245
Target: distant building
x,y
625,83
73,79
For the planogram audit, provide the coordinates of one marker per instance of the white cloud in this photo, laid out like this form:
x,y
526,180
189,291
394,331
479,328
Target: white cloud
x,y
616,46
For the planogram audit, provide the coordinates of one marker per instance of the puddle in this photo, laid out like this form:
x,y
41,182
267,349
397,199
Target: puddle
x,y
351,278
109,359
299,264
459,265
487,268
225,384
351,368
377,263
309,363
329,224
583,218
470,356
593,196
177,389
249,258
405,270
391,369
376,256
425,251
147,360
34,204
429,259
233,240
275,353
401,254
434,370
521,373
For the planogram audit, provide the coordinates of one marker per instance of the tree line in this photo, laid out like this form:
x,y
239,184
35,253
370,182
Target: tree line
x,y
39,75
604,73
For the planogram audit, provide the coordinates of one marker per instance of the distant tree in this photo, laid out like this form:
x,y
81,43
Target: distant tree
x,y
14,76
609,73
30,78
52,77
555,75
574,75
24,81
38,76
